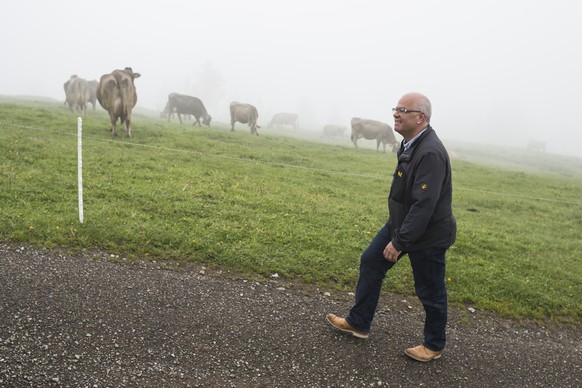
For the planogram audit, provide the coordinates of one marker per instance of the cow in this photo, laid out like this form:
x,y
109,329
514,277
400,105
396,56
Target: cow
x,y
372,129
281,119
116,93
536,145
167,113
245,114
187,105
77,94
331,130
93,92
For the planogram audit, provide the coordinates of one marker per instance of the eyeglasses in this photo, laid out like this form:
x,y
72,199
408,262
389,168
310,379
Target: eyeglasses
x,y
404,110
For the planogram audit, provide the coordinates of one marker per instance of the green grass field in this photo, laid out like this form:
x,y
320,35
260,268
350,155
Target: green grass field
x,y
302,208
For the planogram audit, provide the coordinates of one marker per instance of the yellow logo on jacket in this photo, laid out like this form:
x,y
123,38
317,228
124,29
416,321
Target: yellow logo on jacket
x,y
399,173
423,186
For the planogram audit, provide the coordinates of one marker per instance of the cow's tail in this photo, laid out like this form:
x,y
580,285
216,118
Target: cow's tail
x,y
253,117
124,91
127,102
74,91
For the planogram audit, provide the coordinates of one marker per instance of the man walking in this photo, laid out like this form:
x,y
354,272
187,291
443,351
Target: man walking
x,y
420,224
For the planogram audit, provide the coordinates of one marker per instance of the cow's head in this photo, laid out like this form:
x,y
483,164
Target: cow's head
x,y
206,120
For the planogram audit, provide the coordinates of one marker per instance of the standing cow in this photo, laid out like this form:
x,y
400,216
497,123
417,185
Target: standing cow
x,y
117,95
536,145
245,114
77,94
93,84
281,119
182,104
372,129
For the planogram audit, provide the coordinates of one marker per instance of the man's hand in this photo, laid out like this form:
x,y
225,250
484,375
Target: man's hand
x,y
390,253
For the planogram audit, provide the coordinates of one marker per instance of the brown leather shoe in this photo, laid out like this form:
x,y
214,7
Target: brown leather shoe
x,y
423,354
343,325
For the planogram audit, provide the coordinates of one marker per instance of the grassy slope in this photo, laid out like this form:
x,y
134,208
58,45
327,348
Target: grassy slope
x,y
303,209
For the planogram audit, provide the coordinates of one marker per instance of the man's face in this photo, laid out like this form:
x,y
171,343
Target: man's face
x,y
406,124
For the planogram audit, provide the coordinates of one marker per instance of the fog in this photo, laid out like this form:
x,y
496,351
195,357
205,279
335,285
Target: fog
x,y
497,72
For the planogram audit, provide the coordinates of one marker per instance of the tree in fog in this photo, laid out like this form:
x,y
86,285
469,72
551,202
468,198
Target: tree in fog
x,y
210,87
307,115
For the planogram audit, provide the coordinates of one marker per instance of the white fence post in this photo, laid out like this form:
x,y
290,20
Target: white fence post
x,y
80,165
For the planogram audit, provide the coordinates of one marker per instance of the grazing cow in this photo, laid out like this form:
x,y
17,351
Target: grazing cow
x,y
187,105
166,112
334,130
372,129
77,92
281,119
93,84
117,95
245,114
536,145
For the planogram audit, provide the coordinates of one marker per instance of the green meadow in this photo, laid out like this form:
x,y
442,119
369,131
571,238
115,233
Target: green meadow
x,y
299,206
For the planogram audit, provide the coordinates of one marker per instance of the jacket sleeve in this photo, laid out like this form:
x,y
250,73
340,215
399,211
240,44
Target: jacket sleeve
x,y
423,193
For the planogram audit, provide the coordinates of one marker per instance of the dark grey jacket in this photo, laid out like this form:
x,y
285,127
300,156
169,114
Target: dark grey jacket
x,y
420,199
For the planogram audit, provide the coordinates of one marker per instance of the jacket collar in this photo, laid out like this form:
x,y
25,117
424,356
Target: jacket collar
x,y
405,156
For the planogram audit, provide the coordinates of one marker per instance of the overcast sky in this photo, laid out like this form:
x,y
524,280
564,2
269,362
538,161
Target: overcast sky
x,y
497,71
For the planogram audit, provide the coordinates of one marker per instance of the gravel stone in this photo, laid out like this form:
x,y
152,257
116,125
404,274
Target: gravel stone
x,y
97,320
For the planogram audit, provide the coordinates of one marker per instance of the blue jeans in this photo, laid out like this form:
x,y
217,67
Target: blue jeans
x,y
428,268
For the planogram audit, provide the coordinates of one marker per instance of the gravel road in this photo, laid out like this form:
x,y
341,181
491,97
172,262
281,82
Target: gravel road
x,y
93,320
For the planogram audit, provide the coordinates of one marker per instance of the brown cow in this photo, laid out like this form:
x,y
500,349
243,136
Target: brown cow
x,y
187,105
93,84
281,119
536,145
245,114
117,95
77,92
372,129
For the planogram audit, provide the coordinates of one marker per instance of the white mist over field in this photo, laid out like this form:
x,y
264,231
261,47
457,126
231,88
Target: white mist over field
x,y
497,72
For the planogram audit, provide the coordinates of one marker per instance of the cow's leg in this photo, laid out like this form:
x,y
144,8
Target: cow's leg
x,y
113,124
128,126
197,121
179,117
378,141
232,125
355,141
